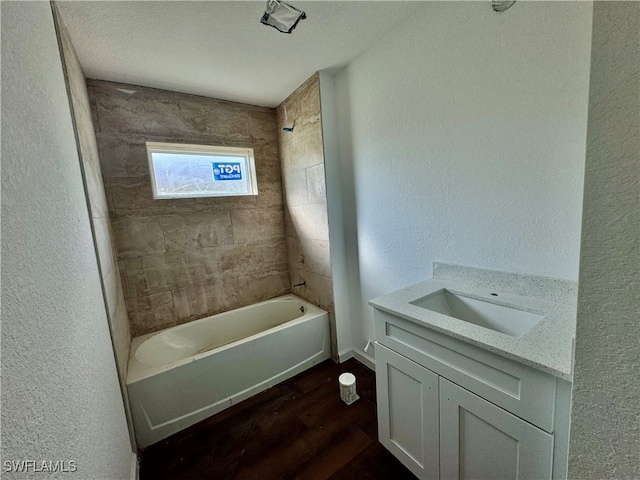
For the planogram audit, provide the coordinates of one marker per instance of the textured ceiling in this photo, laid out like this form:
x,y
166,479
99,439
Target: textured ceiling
x,y
219,49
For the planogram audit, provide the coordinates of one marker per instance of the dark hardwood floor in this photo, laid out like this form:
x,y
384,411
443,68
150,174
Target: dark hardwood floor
x,y
299,429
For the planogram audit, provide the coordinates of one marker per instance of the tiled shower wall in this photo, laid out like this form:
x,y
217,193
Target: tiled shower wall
x,y
303,181
184,259
97,203
112,291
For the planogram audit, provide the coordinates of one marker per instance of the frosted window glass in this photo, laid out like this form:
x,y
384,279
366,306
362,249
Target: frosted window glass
x,y
182,171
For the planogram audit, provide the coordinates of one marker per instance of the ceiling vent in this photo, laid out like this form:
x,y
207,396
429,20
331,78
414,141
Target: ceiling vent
x,y
282,16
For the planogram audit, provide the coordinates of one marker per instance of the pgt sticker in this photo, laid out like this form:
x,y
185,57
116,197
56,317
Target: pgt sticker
x,y
227,171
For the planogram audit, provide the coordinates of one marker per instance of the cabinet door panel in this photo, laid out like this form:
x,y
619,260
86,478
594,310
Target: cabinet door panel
x,y
479,440
408,420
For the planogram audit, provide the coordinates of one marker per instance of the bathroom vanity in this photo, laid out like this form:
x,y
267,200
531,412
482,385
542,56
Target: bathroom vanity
x,y
473,372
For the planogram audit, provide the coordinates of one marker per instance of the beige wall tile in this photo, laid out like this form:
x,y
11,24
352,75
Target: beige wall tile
x,y
316,189
310,255
198,301
131,263
251,225
270,197
303,180
267,167
215,117
264,285
162,273
104,245
269,183
293,113
123,278
137,112
294,250
207,258
110,208
111,285
122,155
121,334
92,104
311,150
253,257
84,129
286,148
262,125
134,196
310,221
94,184
150,313
317,290
118,319
305,148
267,150
310,100
295,187
197,230
148,282
221,204
192,302
288,222
138,236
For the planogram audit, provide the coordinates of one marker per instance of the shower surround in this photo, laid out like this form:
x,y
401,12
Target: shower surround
x,y
303,181
184,259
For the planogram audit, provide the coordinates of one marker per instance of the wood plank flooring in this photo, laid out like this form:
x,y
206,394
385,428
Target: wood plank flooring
x,y
299,429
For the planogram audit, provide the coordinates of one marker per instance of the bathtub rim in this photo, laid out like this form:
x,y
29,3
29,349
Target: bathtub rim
x,y
137,371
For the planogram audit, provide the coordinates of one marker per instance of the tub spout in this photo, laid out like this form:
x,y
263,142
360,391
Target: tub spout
x,y
301,284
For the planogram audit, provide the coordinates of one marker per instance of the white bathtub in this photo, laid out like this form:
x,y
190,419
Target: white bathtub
x,y
184,374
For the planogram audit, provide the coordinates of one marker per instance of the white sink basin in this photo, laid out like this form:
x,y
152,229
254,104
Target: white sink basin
x,y
500,318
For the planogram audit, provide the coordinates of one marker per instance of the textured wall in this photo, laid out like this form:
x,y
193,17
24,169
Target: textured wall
x,y
303,181
605,427
342,302
98,211
60,394
463,137
184,259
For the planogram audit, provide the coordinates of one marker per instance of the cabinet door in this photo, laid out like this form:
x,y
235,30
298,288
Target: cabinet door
x,y
408,419
479,440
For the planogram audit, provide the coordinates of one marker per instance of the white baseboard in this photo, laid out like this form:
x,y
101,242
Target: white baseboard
x,y
359,355
135,467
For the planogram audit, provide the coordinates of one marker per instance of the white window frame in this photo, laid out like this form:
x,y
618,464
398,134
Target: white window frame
x,y
191,149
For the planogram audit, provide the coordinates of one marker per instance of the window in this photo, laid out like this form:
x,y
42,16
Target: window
x,y
186,171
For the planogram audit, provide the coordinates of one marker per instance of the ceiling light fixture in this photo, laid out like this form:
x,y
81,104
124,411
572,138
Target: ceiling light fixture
x,y
501,5
282,16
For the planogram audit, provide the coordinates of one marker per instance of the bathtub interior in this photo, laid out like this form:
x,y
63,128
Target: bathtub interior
x,y
173,346
211,332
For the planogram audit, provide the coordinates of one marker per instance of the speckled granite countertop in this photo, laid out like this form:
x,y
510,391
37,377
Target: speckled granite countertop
x,y
548,346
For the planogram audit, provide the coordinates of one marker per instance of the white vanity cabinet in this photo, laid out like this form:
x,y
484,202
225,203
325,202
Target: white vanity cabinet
x,y
479,440
451,410
408,418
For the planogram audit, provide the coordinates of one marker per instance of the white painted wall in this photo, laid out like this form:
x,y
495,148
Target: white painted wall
x,y
60,394
339,271
462,138
605,426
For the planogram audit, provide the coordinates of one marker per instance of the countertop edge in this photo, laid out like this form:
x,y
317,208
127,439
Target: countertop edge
x,y
568,376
